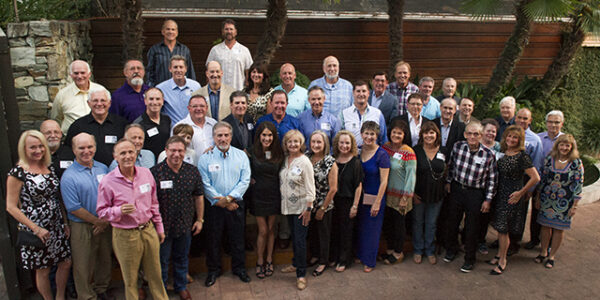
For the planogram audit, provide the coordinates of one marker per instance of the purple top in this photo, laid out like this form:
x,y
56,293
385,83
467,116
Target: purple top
x,y
547,142
128,103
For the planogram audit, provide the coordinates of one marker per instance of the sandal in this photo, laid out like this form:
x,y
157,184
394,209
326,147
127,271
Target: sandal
x,y
367,269
494,261
494,272
340,268
390,259
269,269
317,273
549,264
260,271
539,259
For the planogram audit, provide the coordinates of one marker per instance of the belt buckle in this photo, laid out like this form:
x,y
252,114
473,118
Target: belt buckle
x,y
141,227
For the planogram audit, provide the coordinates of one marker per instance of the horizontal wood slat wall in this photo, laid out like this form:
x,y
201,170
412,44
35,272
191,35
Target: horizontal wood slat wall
x,y
464,50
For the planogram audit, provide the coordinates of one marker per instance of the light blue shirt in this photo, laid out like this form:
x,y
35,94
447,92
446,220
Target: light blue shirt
x,y
79,188
177,98
376,101
534,148
352,121
325,122
338,96
146,159
224,174
432,110
297,100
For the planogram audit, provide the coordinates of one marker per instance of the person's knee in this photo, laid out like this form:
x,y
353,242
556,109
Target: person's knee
x,y
64,265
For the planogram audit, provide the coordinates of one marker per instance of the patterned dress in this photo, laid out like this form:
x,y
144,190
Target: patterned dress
x,y
258,107
39,202
322,169
559,189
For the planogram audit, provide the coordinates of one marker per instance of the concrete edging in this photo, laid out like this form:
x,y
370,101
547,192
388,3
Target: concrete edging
x,y
591,193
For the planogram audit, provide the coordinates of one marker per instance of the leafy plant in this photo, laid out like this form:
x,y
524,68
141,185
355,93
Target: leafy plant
x,y
589,136
43,9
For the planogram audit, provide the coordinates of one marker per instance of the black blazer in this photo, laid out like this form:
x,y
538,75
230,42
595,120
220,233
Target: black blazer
x,y
236,139
388,106
407,135
457,130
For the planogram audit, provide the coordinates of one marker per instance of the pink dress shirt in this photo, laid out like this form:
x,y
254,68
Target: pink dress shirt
x,y
115,190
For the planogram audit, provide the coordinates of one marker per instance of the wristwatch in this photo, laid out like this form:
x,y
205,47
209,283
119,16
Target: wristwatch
x,y
229,199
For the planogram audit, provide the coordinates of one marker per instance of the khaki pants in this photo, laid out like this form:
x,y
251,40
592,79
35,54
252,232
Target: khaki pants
x,y
92,260
134,247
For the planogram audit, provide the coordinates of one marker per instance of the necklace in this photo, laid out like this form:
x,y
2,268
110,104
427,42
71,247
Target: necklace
x,y
563,161
434,175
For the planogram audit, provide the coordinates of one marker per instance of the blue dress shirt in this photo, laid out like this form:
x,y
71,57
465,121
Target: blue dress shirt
x,y
288,123
145,159
338,96
297,100
177,98
79,188
547,142
214,98
534,148
432,110
224,174
325,122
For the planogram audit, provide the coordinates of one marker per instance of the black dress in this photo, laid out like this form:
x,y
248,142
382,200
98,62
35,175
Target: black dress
x,y
508,218
266,197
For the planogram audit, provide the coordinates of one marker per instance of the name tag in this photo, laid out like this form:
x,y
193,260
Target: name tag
x,y
152,131
441,156
214,168
188,92
268,154
144,188
65,164
354,125
167,184
325,126
110,139
99,177
499,155
397,156
479,160
296,171
250,126
38,179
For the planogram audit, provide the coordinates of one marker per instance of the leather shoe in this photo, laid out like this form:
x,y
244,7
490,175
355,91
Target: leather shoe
x,y
105,296
141,294
284,243
243,276
185,295
211,279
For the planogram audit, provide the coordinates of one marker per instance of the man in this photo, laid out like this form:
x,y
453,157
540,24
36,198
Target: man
x,y
402,87
240,121
466,110
159,55
106,128
144,158
413,118
177,90
216,92
91,248
507,115
157,126
471,183
448,89
128,100
70,102
297,95
181,206
354,116
127,199
316,118
62,157
202,124
338,91
451,129
431,107
385,102
283,121
234,58
225,174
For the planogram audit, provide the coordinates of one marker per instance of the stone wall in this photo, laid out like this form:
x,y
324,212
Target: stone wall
x,y
40,54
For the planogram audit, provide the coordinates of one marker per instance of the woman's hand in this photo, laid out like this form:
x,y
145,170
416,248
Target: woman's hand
x,y
353,211
375,208
305,216
515,197
42,233
319,214
67,230
403,202
416,199
572,211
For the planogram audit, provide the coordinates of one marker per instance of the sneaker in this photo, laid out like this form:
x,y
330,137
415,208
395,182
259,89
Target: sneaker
x,y
483,249
466,267
450,256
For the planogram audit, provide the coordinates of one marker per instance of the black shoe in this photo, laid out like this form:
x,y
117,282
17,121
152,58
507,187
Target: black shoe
x,y
71,292
532,244
495,244
512,251
105,296
450,256
242,275
211,279
248,246
466,267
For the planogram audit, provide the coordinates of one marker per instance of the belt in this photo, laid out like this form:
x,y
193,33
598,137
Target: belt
x,y
141,226
466,187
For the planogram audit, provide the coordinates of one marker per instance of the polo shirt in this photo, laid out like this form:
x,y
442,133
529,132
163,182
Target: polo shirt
x,y
297,100
128,103
79,188
177,98
288,123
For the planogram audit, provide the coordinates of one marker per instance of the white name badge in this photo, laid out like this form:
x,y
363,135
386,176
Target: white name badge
x,y
499,155
296,171
167,184
325,126
38,179
479,160
268,154
188,92
250,126
110,139
65,164
214,168
152,131
397,156
99,177
144,188
441,156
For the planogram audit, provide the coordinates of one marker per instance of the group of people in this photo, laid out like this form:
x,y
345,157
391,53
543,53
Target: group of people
x,y
146,168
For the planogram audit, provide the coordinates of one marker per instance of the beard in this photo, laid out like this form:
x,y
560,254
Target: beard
x,y
54,144
223,147
332,77
137,81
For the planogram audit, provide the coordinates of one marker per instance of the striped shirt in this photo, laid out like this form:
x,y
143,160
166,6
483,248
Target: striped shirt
x,y
473,169
159,58
402,94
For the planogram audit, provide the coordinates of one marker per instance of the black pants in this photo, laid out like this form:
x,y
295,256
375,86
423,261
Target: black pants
x,y
319,233
467,201
342,231
394,226
219,220
484,221
441,231
534,226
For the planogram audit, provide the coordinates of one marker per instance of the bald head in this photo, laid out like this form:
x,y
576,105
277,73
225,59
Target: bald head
x,y
83,137
84,148
287,73
523,118
51,130
214,73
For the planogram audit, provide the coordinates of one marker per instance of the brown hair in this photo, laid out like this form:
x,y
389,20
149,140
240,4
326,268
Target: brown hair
x,y
565,138
183,128
275,147
265,85
336,142
325,141
427,127
513,129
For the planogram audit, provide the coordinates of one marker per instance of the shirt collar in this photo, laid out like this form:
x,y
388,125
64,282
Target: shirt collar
x,y
118,173
175,86
211,91
80,167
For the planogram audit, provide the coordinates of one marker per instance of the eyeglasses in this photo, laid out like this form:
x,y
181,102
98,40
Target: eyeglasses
x,y
197,106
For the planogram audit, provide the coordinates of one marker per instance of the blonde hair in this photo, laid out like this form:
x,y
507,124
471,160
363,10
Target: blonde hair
x,y
336,142
517,130
565,138
21,148
325,141
290,135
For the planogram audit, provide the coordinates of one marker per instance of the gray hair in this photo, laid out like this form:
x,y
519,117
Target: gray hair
x,y
78,60
510,100
448,79
556,113
221,124
427,78
133,125
91,92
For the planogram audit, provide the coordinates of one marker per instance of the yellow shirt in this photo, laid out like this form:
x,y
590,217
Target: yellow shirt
x,y
70,104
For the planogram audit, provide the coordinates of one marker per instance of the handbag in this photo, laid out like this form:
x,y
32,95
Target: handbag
x,y
369,199
27,238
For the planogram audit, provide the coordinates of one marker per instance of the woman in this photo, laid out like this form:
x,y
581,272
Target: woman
x,y
560,192
401,185
259,91
186,132
429,191
297,184
512,167
490,128
376,165
265,160
32,198
350,177
326,184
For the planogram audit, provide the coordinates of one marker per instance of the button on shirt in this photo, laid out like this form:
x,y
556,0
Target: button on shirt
x,y
431,110
288,123
79,188
177,98
297,185
156,135
214,98
445,131
70,104
202,138
402,93
473,169
128,103
234,63
224,174
159,58
338,96
352,121
548,142
415,129
326,122
115,190
297,100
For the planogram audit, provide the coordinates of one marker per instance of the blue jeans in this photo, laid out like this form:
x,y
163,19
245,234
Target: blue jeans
x,y
178,249
424,225
299,234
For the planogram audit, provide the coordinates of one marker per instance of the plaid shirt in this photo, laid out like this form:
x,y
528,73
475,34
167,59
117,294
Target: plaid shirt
x,y
474,170
402,94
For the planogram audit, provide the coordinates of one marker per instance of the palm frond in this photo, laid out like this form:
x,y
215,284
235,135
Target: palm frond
x,y
481,9
587,14
547,10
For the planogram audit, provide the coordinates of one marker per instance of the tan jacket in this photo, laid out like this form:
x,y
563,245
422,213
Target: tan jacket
x,y
224,107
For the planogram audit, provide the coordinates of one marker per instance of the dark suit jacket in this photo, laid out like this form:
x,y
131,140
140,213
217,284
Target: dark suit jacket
x,y
457,130
407,135
388,106
236,139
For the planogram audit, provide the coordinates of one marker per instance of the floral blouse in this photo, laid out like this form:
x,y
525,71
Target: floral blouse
x,y
322,169
297,185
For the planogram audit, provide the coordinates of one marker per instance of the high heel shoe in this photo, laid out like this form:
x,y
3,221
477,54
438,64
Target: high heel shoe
x,y
494,272
494,261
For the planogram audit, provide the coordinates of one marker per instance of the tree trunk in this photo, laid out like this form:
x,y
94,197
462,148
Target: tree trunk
x,y
395,14
133,29
274,32
513,49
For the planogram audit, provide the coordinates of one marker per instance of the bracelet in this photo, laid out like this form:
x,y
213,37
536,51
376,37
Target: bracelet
x,y
201,220
354,207
323,208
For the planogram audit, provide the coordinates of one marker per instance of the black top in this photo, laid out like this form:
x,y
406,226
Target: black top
x,y
107,134
350,175
241,131
62,159
266,196
430,185
457,133
156,134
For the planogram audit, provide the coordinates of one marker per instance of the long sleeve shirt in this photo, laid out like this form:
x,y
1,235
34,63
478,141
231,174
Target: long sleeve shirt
x,y
535,149
297,185
159,58
402,93
338,96
326,122
474,169
224,173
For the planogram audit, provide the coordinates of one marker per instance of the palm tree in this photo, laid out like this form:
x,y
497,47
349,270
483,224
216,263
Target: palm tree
x,y
133,29
274,32
395,14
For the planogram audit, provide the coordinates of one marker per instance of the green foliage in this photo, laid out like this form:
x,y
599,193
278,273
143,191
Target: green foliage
x,y
590,135
591,172
43,9
301,79
540,10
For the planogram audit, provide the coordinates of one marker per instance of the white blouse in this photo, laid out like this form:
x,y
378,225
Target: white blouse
x,y
297,185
